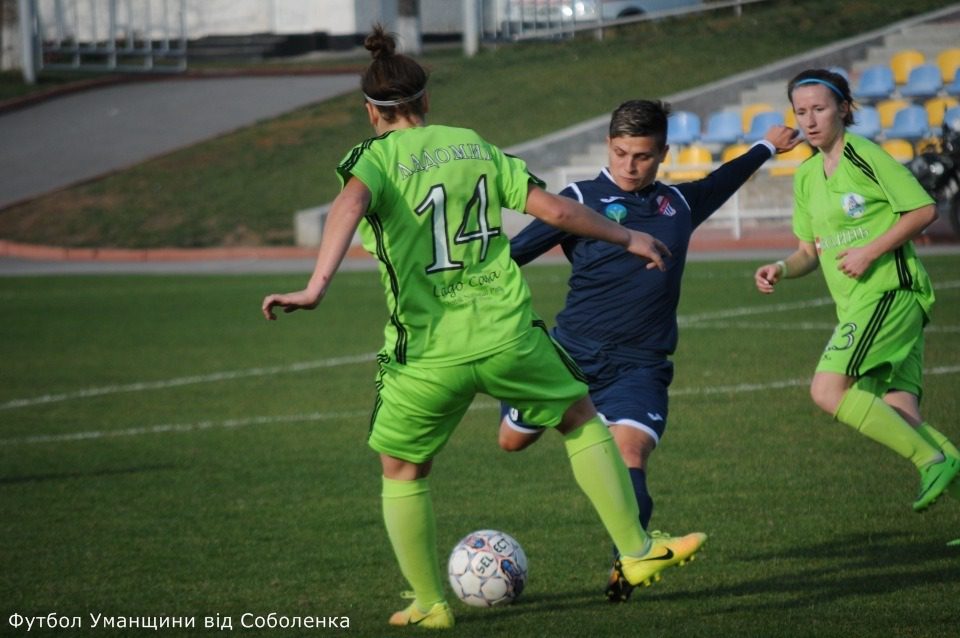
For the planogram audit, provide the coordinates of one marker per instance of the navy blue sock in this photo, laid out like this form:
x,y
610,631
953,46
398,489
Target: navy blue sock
x,y
639,479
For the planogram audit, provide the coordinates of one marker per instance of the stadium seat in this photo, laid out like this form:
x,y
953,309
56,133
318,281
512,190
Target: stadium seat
x,y
786,163
839,70
952,117
888,108
924,81
902,62
954,87
760,123
683,127
723,127
928,145
876,83
900,150
734,151
748,112
866,122
693,162
665,165
909,123
936,107
790,117
949,62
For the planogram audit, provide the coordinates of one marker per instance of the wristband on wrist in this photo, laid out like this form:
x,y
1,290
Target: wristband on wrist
x,y
782,265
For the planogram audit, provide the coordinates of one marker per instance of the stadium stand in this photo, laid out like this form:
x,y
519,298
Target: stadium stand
x,y
924,81
949,62
876,83
866,122
723,127
902,62
734,151
693,162
749,111
909,123
936,107
888,109
954,87
683,128
760,123
786,163
901,150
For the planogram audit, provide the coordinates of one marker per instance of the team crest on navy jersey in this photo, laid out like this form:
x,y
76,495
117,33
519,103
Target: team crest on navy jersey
x,y
616,211
854,205
665,207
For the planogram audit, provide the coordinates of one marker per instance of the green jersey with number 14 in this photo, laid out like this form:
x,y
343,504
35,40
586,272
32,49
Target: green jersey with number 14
x,y
860,201
434,223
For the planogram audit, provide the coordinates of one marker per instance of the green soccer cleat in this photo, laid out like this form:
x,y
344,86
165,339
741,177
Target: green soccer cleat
x,y
934,479
664,552
439,617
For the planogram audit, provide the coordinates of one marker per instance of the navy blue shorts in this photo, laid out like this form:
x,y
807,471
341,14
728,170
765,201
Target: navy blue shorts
x,y
627,389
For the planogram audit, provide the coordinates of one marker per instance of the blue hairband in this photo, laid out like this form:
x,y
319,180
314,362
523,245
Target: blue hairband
x,y
829,85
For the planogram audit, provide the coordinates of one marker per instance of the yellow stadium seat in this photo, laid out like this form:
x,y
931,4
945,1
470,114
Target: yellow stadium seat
x,y
902,62
936,107
693,162
789,117
750,110
900,150
733,151
949,61
787,163
888,108
929,145
665,165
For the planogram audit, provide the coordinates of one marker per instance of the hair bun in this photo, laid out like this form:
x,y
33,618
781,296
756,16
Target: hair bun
x,y
379,43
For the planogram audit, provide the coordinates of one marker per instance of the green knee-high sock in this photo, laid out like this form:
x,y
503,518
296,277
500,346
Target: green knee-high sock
x,y
871,417
937,439
603,477
408,515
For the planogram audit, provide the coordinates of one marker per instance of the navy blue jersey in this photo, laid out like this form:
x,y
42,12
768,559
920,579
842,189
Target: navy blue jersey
x,y
613,299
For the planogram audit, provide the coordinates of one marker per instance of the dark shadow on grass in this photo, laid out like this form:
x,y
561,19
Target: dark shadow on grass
x,y
852,566
63,476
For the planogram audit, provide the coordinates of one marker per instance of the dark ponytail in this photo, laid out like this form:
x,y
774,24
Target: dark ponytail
x,y
394,83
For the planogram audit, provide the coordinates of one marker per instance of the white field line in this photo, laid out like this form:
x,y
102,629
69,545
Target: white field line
x,y
180,381
800,325
141,386
363,414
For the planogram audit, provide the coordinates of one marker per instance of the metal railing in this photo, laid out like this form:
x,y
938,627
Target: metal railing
x,y
516,20
148,36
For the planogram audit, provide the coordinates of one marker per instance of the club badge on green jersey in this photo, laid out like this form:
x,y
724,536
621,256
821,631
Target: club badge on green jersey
x,y
854,205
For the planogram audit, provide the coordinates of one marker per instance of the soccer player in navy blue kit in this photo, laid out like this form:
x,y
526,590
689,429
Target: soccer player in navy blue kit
x,y
619,322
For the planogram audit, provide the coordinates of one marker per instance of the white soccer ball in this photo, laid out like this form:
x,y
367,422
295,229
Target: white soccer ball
x,y
487,568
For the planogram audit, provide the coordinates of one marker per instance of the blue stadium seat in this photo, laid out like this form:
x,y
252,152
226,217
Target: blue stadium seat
x,y
876,83
923,81
954,87
866,122
952,118
839,70
909,123
683,127
760,123
723,127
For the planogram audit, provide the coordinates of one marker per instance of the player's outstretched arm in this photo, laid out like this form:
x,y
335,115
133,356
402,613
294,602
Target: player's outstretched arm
x,y
345,214
783,138
803,261
577,219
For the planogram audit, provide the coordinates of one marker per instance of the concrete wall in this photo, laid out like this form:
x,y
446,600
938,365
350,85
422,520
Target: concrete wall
x,y
10,55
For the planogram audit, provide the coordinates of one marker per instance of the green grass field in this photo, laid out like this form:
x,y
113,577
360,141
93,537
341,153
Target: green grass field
x,y
165,452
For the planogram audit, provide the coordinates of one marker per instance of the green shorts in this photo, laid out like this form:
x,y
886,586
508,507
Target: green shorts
x,y
418,408
882,340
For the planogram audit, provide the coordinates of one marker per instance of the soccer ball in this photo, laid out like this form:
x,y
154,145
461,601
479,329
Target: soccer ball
x,y
487,568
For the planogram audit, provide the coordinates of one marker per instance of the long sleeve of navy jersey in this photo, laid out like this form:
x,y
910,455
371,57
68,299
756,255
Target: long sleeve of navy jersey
x,y
613,299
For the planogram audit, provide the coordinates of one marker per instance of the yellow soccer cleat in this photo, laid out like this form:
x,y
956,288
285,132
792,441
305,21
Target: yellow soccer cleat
x,y
439,617
664,552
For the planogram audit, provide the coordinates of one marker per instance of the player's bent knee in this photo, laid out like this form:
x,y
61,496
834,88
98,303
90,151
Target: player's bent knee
x,y
511,440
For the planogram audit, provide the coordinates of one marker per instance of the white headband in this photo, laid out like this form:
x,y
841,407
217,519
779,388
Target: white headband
x,y
398,101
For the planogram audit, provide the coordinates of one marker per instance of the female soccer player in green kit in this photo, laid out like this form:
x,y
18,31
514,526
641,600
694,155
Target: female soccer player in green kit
x,y
428,203
856,210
